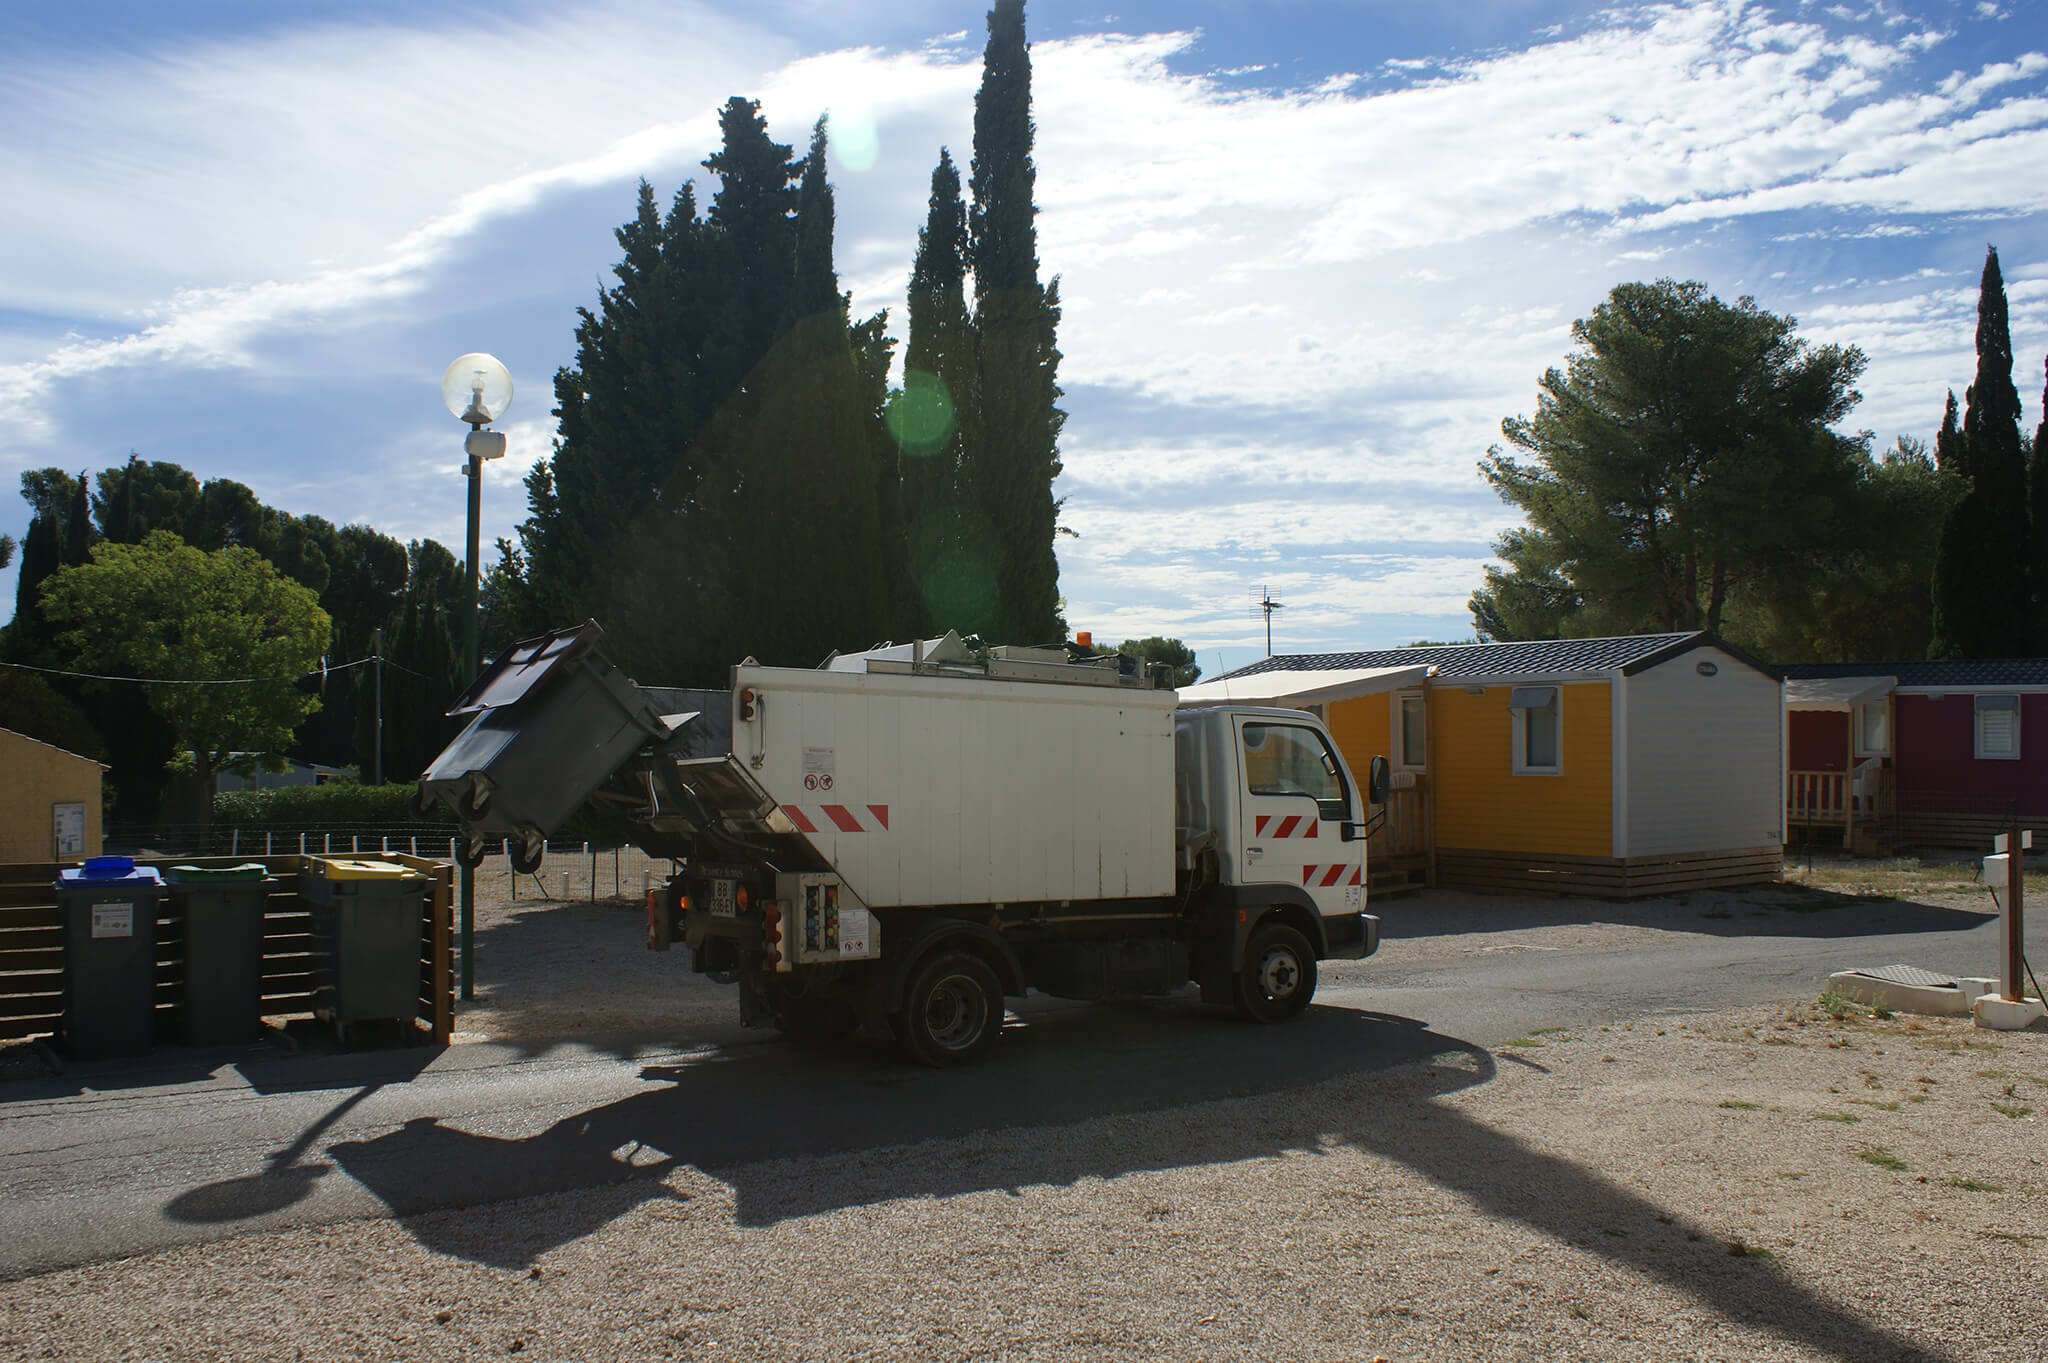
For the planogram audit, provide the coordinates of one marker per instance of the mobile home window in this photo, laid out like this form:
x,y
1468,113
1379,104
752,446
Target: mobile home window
x,y
1414,732
1998,726
1873,739
1534,712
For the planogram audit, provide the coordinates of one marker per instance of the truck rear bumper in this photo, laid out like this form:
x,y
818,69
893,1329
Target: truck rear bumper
x,y
1352,936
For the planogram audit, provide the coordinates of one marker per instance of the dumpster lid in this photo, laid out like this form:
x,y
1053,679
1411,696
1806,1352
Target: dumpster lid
x,y
107,871
205,875
524,666
348,868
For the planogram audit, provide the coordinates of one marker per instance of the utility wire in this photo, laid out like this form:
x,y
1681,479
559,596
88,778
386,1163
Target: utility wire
x,y
219,681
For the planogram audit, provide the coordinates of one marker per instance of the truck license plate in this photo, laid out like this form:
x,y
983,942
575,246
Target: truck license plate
x,y
721,899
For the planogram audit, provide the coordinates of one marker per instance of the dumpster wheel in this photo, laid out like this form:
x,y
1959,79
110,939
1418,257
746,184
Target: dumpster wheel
x,y
532,848
471,853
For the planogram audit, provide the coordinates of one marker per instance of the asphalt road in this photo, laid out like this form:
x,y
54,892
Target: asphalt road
x,y
115,1158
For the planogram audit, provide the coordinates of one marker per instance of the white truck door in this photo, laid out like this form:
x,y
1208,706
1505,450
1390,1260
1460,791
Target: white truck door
x,y
1294,799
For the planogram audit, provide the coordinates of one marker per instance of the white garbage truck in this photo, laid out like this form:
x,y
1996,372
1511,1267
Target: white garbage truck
x,y
904,838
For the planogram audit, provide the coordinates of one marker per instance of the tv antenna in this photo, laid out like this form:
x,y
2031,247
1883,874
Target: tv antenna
x,y
1265,603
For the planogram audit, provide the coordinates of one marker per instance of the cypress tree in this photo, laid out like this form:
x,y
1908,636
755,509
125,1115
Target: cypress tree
x,y
1014,323
1983,607
78,535
2037,518
1948,443
934,422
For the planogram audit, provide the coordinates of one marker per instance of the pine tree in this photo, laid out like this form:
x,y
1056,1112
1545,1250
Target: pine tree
x,y
1015,320
935,423
1983,606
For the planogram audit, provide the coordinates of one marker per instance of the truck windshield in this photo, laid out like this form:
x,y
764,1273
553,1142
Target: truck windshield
x,y
1285,759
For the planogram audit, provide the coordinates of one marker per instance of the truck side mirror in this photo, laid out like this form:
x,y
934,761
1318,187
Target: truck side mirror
x,y
1377,781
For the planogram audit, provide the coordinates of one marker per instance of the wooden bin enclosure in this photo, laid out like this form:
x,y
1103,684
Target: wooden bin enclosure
x,y
32,946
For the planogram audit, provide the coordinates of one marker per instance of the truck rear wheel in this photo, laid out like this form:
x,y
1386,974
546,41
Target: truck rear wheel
x,y
953,1011
1278,977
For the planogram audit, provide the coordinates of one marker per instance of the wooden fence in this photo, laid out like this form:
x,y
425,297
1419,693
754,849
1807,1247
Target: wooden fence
x,y
32,946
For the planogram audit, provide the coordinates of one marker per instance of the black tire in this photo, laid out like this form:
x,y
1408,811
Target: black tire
x,y
1278,978
952,1012
469,853
528,853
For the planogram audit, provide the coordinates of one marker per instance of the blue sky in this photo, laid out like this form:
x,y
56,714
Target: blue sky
x,y
1312,252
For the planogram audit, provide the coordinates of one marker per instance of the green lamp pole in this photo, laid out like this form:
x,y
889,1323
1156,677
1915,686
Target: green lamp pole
x,y
477,390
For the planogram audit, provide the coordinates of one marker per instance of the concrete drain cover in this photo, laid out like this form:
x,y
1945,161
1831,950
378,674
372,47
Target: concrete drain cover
x,y
1911,975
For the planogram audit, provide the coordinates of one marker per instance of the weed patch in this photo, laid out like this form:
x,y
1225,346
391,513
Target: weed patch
x,y
1845,1118
2012,1110
1882,1158
1739,1105
1972,1185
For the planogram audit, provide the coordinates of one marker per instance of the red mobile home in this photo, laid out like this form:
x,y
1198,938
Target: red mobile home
x,y
1941,754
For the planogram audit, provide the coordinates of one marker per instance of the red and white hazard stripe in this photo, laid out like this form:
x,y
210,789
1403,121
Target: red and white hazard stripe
x,y
832,819
1326,876
1285,826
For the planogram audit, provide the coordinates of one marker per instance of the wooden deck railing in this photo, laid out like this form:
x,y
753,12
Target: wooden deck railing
x,y
1816,798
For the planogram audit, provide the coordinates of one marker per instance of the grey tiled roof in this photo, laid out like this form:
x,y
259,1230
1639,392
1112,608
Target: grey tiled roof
x,y
1546,657
1966,674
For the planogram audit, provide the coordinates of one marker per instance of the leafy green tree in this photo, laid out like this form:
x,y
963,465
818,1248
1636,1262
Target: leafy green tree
x,y
1015,325
1864,595
30,705
1171,652
6,550
1683,457
1983,600
220,635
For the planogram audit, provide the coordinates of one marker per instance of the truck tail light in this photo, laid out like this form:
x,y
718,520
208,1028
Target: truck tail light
x,y
739,897
747,703
771,933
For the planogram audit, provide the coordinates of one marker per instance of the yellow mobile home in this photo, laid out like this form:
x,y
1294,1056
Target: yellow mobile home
x,y
1614,767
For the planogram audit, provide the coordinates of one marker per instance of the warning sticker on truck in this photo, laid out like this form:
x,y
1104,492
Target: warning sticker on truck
x,y
853,931
819,773
113,920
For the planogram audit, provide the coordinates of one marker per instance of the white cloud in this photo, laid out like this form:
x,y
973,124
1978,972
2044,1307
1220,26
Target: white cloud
x,y
1295,316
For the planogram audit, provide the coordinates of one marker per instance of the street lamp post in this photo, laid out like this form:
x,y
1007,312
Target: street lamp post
x,y
477,390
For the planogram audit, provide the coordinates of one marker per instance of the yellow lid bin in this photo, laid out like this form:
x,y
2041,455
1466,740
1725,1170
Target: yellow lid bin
x,y
348,868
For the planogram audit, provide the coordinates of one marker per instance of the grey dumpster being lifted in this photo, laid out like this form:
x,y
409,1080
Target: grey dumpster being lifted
x,y
109,908
223,910
553,719
366,940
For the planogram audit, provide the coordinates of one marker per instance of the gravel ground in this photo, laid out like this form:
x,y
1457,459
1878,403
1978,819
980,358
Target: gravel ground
x,y
1766,1183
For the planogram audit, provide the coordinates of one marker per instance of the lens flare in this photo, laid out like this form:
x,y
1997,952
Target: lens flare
x,y
920,415
855,145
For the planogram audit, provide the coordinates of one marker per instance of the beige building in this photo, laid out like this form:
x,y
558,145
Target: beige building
x,y
49,801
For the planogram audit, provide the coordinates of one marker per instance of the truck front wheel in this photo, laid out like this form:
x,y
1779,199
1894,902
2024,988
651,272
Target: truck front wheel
x,y
953,1011
1278,977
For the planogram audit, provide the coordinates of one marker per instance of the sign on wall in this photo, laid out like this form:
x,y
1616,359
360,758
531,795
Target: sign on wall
x,y
68,828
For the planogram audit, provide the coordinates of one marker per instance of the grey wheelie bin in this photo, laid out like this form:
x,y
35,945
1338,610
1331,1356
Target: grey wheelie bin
x,y
109,908
223,908
366,939
552,718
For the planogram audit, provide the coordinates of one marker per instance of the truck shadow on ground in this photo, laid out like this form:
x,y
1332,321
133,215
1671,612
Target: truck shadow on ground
x,y
1153,1080
756,1116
